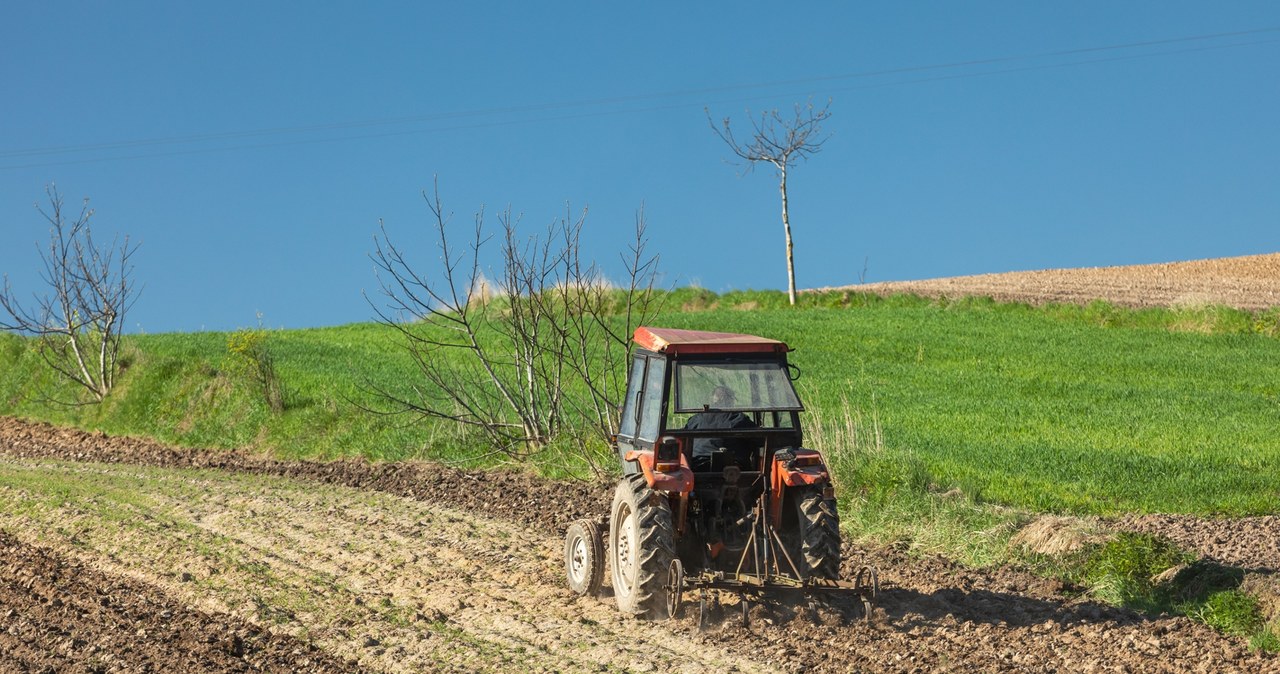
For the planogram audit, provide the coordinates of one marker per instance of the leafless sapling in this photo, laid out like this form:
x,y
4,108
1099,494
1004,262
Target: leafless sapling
x,y
779,142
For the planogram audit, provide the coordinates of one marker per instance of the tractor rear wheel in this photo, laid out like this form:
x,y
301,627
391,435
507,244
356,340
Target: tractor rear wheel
x,y
819,535
584,557
641,547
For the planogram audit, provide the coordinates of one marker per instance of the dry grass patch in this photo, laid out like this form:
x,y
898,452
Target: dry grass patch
x,y
1054,536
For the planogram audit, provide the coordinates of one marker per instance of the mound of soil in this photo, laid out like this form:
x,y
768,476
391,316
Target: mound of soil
x,y
1250,282
57,615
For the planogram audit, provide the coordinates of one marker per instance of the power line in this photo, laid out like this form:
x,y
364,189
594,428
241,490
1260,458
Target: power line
x,y
552,106
1050,66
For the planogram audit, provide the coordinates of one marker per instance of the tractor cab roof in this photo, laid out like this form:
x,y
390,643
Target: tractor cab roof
x,y
674,342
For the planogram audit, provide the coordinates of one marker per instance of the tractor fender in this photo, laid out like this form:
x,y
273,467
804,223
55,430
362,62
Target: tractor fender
x,y
804,467
680,480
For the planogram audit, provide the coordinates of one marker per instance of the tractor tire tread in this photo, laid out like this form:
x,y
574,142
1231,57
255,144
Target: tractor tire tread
x,y
820,536
656,550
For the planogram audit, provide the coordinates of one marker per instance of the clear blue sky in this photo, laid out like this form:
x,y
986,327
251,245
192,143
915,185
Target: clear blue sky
x,y
253,147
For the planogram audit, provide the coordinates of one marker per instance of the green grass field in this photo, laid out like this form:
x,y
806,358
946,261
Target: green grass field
x,y
1090,409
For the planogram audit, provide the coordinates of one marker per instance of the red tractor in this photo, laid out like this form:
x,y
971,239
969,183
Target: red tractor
x,y
717,492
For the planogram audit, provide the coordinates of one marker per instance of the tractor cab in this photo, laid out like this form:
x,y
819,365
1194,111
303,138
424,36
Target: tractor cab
x,y
715,399
715,480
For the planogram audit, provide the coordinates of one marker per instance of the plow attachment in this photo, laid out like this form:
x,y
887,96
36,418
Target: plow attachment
x,y
864,586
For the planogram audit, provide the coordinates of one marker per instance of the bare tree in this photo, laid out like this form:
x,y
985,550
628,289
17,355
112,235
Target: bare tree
x,y
542,357
77,324
779,142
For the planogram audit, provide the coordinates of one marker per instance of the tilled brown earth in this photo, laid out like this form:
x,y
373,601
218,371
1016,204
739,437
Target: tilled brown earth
x,y
58,615
1248,282
499,587
1250,543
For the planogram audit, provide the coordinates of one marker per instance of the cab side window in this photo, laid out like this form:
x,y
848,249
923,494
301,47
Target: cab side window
x,y
627,425
651,409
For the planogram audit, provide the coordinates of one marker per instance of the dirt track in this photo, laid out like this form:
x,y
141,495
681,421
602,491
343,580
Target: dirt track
x,y
397,568
1249,282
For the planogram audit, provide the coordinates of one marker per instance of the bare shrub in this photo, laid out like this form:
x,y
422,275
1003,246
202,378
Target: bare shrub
x,y
535,357
77,323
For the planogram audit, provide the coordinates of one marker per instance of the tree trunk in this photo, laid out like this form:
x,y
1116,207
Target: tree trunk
x,y
786,228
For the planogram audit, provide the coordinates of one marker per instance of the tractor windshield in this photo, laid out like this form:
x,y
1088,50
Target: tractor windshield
x,y
734,385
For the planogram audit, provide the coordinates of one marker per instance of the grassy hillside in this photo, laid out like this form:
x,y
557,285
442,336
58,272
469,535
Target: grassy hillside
x,y
1061,408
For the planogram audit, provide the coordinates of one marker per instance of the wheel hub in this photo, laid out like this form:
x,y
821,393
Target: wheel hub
x,y
578,562
626,547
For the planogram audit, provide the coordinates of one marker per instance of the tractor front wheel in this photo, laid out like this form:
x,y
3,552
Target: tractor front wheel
x,y
584,557
641,547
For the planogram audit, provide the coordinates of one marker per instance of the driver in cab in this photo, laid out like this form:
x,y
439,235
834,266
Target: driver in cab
x,y
717,416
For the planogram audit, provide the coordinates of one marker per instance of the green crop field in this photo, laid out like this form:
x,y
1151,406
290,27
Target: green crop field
x,y
1048,411
1090,409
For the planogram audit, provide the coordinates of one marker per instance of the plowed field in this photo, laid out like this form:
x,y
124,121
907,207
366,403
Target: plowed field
x,y
1249,282
122,555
